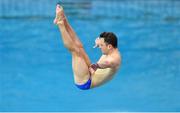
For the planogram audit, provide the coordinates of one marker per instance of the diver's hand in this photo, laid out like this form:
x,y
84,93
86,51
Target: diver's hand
x,y
91,70
97,42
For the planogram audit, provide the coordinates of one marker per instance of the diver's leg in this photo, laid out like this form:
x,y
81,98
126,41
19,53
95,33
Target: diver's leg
x,y
60,18
80,67
67,41
75,38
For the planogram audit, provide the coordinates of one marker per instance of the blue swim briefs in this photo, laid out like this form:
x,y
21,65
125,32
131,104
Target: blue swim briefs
x,y
85,86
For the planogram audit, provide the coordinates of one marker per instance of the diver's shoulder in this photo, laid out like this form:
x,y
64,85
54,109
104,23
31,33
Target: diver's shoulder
x,y
117,59
116,56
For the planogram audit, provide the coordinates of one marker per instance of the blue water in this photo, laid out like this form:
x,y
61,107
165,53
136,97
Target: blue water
x,y
36,73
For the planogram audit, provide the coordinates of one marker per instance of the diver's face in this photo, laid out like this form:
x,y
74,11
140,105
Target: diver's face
x,y
104,47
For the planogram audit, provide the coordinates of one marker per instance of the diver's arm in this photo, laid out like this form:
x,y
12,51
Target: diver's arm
x,y
105,62
99,65
102,64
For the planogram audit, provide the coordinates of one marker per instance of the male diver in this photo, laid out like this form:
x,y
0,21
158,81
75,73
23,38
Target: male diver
x,y
87,75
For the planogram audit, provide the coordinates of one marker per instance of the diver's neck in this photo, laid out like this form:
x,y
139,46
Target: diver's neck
x,y
112,51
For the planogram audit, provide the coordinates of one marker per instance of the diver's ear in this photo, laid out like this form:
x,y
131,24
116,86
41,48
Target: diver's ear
x,y
110,46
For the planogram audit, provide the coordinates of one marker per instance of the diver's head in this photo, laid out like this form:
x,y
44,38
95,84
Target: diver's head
x,y
108,42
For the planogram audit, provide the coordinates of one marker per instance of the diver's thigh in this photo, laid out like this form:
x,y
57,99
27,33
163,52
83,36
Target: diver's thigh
x,y
80,68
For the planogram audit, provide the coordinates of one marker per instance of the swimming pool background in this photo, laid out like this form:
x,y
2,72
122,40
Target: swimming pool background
x,y
35,68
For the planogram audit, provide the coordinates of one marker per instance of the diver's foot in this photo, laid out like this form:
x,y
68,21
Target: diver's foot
x,y
60,17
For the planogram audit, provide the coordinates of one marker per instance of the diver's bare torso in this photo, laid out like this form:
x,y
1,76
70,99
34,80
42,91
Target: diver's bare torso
x,y
101,76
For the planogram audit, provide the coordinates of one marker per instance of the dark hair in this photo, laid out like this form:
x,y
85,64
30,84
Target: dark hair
x,y
109,38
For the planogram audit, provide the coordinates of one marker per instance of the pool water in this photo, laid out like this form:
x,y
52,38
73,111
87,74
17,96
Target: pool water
x,y
36,72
